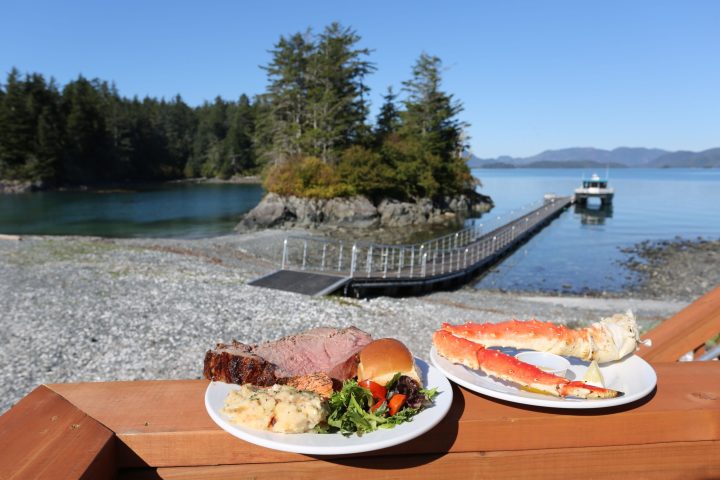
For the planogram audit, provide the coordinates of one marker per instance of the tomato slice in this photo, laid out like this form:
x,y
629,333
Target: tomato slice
x,y
377,390
377,405
396,403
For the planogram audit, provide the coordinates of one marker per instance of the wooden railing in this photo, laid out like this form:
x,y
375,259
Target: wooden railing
x,y
686,332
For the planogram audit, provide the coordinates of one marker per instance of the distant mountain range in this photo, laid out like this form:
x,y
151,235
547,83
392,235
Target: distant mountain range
x,y
598,158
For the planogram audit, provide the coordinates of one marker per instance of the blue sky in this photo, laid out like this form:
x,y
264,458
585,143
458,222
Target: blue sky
x,y
532,75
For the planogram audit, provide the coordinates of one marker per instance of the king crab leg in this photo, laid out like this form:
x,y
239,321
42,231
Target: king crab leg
x,y
608,340
499,365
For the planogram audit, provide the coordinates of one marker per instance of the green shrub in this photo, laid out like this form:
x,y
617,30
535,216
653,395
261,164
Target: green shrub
x,y
368,173
308,177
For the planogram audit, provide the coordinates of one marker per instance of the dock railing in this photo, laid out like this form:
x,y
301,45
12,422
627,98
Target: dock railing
x,y
447,254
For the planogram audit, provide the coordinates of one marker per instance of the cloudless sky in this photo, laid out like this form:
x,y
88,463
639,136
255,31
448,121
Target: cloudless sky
x,y
532,75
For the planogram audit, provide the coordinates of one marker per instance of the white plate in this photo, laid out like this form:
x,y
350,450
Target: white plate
x,y
335,443
633,376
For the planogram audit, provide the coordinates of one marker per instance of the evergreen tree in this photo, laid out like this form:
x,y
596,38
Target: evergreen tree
x,y
209,151
85,156
239,140
310,127
179,125
317,94
336,93
30,128
89,133
430,118
430,113
388,120
17,128
287,93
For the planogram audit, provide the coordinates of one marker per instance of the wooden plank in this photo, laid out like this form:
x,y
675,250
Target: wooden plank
x,y
45,436
691,460
685,331
164,424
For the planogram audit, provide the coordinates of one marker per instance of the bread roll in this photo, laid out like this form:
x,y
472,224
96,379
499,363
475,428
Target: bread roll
x,y
381,359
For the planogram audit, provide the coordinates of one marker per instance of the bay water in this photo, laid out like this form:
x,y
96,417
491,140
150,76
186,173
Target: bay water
x,y
181,209
581,250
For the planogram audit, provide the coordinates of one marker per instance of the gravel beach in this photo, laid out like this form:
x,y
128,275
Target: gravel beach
x,y
87,309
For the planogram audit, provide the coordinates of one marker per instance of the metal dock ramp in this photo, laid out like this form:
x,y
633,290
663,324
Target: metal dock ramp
x,y
308,283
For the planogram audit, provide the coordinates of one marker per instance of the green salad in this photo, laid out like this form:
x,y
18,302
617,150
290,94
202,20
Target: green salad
x,y
368,406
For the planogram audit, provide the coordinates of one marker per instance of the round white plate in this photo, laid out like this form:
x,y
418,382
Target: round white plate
x,y
335,443
633,376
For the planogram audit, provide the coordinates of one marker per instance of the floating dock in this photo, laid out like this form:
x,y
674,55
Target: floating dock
x,y
362,269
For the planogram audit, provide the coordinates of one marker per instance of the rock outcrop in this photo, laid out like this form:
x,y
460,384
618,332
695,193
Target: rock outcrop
x,y
359,212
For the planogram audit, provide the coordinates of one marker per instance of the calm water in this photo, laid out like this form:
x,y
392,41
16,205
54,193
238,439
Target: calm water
x,y
580,250
159,210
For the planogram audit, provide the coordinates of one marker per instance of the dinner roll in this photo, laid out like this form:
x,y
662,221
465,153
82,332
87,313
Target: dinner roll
x,y
381,359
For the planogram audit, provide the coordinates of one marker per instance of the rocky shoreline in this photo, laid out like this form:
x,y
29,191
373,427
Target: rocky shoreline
x,y
89,309
359,212
678,268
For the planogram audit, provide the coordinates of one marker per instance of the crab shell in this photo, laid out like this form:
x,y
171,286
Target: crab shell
x,y
615,337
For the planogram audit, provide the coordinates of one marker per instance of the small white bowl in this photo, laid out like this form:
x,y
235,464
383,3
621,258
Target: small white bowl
x,y
547,362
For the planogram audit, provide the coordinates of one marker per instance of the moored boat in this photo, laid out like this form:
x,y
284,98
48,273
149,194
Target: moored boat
x,y
594,187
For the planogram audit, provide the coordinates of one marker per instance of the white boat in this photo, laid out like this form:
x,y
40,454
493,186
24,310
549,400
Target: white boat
x,y
595,187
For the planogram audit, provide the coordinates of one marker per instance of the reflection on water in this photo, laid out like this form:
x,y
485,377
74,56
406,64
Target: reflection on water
x,y
593,213
155,210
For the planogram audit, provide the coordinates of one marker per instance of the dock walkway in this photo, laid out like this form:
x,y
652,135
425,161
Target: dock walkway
x,y
374,269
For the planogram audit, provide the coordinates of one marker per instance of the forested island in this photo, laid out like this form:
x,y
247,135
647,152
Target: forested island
x,y
309,134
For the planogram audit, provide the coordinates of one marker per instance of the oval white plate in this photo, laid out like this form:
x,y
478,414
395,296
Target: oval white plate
x,y
337,444
633,376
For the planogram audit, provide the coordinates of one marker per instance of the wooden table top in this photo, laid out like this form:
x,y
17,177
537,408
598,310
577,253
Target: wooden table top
x,y
160,429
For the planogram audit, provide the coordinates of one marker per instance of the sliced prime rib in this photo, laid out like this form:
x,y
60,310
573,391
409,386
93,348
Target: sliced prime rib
x,y
321,350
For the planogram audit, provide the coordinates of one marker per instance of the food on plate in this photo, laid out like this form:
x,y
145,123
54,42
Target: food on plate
x,y
388,391
381,359
319,383
279,408
593,375
361,385
505,367
608,340
328,350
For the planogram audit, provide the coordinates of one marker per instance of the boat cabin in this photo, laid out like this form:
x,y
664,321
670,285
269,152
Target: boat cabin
x,y
595,182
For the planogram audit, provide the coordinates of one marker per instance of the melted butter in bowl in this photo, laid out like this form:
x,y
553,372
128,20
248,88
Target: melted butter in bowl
x,y
547,362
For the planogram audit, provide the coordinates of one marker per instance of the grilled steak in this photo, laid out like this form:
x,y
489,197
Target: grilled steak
x,y
328,350
235,363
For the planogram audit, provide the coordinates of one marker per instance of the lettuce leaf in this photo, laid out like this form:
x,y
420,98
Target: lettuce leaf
x,y
349,411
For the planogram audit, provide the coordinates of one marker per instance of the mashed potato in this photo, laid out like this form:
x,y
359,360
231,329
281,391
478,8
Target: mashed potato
x,y
279,408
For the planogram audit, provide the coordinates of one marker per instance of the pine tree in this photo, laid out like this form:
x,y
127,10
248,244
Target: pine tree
x,y
179,125
431,114
287,94
85,156
17,128
430,123
336,93
239,140
30,128
388,120
317,94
